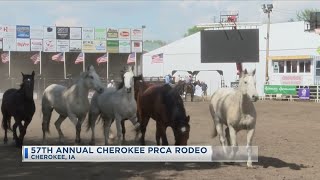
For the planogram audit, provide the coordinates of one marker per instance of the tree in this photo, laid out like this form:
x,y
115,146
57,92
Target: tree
x,y
304,15
193,30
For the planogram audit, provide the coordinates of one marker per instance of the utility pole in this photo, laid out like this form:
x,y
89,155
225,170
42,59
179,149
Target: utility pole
x,y
267,9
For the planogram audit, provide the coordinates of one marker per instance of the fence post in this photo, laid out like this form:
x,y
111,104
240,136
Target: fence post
x,y
317,93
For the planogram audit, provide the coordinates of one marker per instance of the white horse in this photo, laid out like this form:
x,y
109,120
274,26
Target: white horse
x,y
114,104
69,102
234,108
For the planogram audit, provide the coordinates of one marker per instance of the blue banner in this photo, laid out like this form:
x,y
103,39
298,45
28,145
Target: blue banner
x,y
304,93
23,31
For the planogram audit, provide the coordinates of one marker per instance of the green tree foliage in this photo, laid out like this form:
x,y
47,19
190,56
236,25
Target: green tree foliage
x,y
193,30
149,45
304,15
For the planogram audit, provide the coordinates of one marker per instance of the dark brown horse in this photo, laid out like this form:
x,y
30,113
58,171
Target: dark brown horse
x,y
185,89
163,104
18,103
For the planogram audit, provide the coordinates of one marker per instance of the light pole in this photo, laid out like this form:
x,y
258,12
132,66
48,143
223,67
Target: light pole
x,y
141,61
267,8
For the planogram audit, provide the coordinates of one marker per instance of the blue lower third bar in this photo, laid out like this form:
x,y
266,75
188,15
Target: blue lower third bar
x,y
26,153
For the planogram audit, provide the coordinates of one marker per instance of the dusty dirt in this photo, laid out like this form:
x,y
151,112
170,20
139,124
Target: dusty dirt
x,y
287,134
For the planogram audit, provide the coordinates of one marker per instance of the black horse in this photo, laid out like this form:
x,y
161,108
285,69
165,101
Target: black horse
x,y
18,103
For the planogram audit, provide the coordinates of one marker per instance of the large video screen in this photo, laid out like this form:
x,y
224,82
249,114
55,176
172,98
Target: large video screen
x,y
229,46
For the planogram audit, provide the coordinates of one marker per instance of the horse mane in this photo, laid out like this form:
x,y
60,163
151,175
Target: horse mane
x,y
174,103
135,78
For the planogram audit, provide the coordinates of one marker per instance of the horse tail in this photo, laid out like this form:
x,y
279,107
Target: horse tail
x,y
6,123
46,113
214,132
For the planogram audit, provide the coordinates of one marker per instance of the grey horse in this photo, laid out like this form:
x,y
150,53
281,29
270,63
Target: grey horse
x,y
70,102
113,105
235,109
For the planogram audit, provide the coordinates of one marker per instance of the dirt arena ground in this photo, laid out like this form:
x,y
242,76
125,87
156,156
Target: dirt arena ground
x,y
287,134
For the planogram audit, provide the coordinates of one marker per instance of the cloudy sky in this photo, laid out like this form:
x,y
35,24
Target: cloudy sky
x,y
165,20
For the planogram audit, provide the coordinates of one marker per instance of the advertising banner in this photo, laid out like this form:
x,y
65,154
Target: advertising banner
x,y
9,44
124,34
304,93
49,32
8,31
136,46
100,46
62,45
36,44
23,31
36,32
124,46
49,45
75,33
23,44
280,89
63,33
100,33
88,46
87,33
112,34
112,46
136,34
75,45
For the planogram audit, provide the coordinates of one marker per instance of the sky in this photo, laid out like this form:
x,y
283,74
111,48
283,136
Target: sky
x,y
165,20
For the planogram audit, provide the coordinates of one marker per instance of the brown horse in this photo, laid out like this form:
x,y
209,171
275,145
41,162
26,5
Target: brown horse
x,y
163,104
184,89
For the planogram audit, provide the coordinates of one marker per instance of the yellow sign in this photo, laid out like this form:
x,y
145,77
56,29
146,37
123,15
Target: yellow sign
x,y
286,58
88,46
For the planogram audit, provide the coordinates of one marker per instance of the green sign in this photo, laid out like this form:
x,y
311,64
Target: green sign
x,y
318,50
113,46
100,34
280,89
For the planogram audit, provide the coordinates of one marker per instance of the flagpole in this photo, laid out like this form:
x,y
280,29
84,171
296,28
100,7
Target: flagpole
x,y
64,65
83,64
40,62
9,63
108,67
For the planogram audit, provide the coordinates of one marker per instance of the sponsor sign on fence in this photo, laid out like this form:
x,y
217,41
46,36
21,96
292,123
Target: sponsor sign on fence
x,y
49,45
87,33
113,46
100,34
124,34
75,45
49,32
280,89
136,46
88,46
36,32
23,44
9,44
75,33
63,33
124,47
23,31
304,93
62,45
112,33
36,44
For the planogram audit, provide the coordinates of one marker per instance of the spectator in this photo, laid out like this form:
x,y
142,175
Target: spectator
x,y
204,87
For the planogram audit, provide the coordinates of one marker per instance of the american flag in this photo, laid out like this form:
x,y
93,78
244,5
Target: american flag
x,y
79,59
131,58
58,57
103,59
5,57
158,58
35,58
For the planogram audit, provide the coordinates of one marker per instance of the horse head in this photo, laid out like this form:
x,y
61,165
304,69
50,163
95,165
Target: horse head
x,y
28,84
92,80
247,84
128,80
182,132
